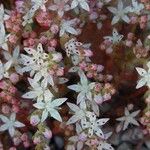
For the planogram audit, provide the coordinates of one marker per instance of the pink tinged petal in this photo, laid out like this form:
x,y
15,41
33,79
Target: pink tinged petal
x,y
75,87
85,5
141,83
80,97
121,118
54,113
73,107
101,122
134,122
79,145
133,114
11,131
71,30
126,19
78,128
73,139
53,7
39,105
142,72
74,4
126,112
18,124
44,115
125,126
99,133
4,127
13,117
115,20
60,13
107,146
112,9
58,102
4,119
30,95
73,119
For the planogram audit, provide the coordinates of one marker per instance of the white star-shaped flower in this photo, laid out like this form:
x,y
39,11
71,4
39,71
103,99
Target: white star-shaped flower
x,y
115,38
136,7
3,16
14,59
83,88
79,139
3,38
79,112
37,63
10,124
72,47
145,76
129,118
37,91
36,4
60,6
50,107
39,4
67,26
104,145
120,13
82,3
93,125
4,70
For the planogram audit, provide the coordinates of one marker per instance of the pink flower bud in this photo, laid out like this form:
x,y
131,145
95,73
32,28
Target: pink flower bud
x,y
128,43
26,144
14,78
60,72
34,120
98,99
89,75
24,137
12,148
5,109
15,108
48,134
107,97
54,29
88,53
53,43
16,141
57,57
36,140
82,137
100,68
